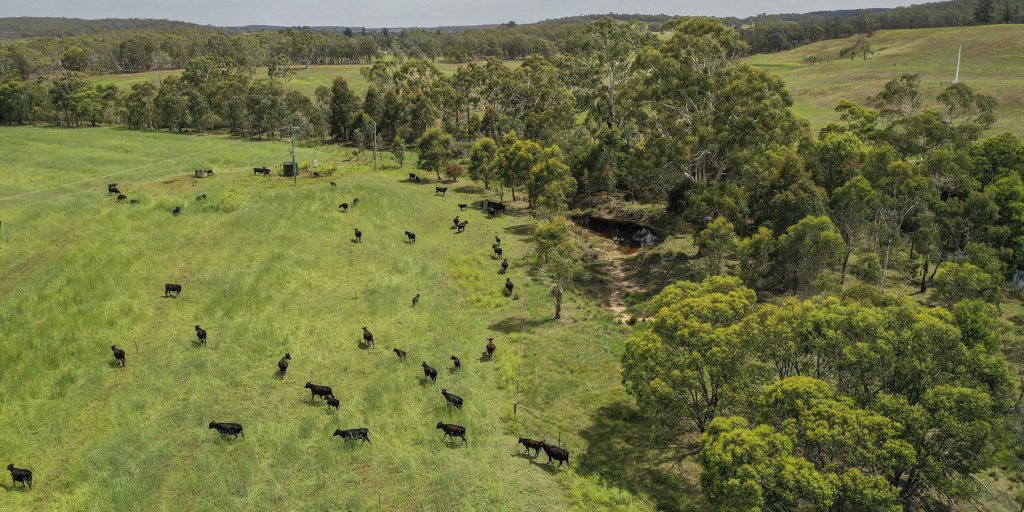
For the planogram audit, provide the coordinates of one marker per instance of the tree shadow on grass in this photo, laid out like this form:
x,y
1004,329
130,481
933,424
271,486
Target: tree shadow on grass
x,y
622,452
520,229
515,324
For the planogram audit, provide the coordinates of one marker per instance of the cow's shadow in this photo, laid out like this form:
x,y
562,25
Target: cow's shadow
x,y
549,468
365,346
426,380
15,488
114,364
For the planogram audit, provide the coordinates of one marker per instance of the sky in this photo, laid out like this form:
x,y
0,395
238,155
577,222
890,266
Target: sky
x,y
405,13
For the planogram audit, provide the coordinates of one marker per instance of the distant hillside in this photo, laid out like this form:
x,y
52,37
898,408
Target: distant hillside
x,y
993,63
12,28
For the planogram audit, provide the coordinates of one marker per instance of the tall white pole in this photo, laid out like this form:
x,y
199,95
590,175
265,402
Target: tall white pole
x,y
958,53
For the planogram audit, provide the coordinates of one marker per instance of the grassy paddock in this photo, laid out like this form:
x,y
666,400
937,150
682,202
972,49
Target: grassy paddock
x,y
268,267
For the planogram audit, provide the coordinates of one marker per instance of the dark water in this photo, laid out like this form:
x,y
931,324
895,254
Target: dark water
x,y
622,232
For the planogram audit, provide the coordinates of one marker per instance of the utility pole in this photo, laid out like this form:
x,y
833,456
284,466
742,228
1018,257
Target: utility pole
x,y
958,53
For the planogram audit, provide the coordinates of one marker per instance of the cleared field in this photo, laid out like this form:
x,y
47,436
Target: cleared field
x,y
993,62
268,268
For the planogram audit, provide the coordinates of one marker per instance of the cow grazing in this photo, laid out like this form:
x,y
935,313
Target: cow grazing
x,y
456,363
416,300
133,201
176,210
491,347
531,444
282,364
333,402
367,337
170,287
400,353
452,431
413,177
410,236
509,286
463,206
228,429
333,184
440,191
453,400
494,209
201,335
497,240
118,355
359,236
462,226
504,265
112,189
353,434
20,475
121,197
317,390
260,170
455,221
555,452
429,372
201,197
343,207
498,251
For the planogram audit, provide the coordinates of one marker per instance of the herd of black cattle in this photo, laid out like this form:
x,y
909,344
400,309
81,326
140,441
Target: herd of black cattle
x,y
450,430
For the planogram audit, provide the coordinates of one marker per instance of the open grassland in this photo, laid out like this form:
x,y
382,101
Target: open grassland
x,y
304,80
993,63
268,268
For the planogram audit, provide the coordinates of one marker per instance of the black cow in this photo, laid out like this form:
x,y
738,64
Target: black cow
x,y
413,177
509,286
491,347
429,372
493,208
176,210
452,399
463,206
555,452
355,202
498,251
400,353
333,402
333,184
457,365
20,475
118,355
316,174
343,207
367,337
201,335
531,444
282,364
201,197
416,300
112,189
260,170
452,431
170,287
121,197
497,240
440,190
410,236
359,236
228,429
455,221
354,433
462,226
504,265
317,390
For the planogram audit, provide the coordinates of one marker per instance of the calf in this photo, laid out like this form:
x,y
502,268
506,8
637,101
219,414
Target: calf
x,y
440,190
176,210
462,226
201,335
454,400
452,431
343,207
457,365
201,197
354,433
359,236
429,372
400,353
333,184
491,347
504,265
118,355
170,287
121,197
410,236
111,187
282,364
416,300
509,286
317,390
228,429
20,475
333,402
367,337
555,452
531,444
463,206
